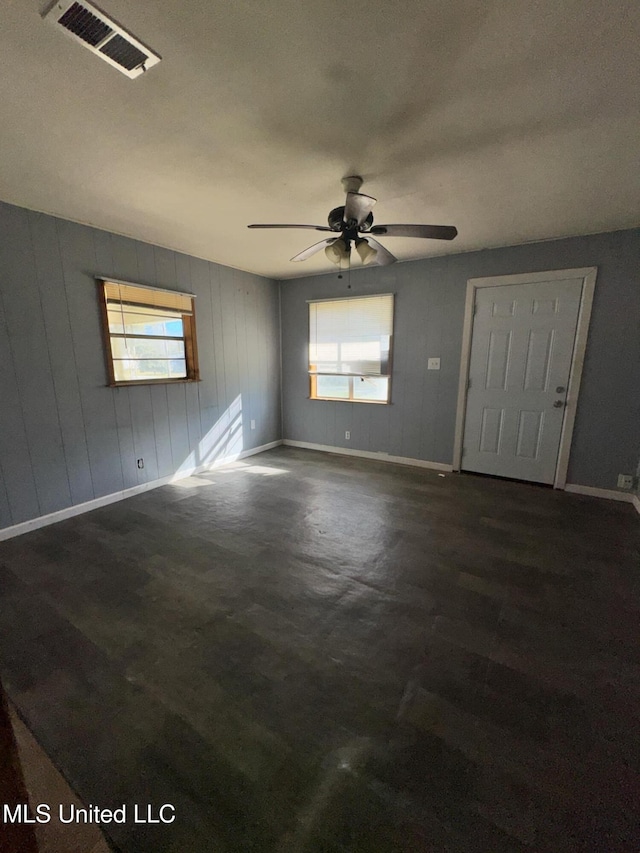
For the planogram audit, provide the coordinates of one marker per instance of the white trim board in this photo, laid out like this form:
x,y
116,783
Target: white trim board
x,y
591,491
608,494
368,454
104,500
588,275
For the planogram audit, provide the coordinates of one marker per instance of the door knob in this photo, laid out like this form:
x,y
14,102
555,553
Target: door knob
x,y
558,404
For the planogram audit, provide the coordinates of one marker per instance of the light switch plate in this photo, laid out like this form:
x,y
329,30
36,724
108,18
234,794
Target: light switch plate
x,y
433,364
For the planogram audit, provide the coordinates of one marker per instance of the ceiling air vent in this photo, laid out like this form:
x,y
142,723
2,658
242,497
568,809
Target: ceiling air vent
x,y
101,35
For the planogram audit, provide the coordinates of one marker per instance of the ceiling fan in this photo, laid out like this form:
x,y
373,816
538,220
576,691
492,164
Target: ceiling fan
x,y
355,219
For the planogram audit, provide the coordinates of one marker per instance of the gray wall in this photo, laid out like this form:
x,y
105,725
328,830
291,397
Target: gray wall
x,y
65,437
429,317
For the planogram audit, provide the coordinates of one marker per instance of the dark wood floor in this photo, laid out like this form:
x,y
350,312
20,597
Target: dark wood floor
x,y
315,653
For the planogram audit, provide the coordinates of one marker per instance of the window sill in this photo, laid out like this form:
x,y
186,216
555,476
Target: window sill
x,y
343,400
134,382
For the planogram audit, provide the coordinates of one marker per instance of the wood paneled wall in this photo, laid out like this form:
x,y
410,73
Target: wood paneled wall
x,y
65,437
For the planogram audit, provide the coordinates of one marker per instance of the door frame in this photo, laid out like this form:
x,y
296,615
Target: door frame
x,y
588,276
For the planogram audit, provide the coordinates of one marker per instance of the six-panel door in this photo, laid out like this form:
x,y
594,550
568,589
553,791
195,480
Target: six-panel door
x,y
521,352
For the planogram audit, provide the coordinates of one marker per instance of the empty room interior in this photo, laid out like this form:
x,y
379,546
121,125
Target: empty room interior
x,y
319,427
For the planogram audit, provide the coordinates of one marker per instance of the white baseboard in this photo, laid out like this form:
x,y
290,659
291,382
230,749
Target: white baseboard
x,y
87,506
368,454
609,494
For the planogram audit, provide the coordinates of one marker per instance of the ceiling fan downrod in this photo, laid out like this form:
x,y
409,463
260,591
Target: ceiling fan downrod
x,y
352,183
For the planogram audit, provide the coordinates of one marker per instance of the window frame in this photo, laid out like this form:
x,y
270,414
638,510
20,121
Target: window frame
x,y
188,336
313,377
313,392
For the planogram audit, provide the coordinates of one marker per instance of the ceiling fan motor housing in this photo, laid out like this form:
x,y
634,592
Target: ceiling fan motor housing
x,y
337,223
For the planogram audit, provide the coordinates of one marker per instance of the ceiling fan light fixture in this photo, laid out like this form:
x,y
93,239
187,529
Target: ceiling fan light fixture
x,y
367,253
337,252
353,219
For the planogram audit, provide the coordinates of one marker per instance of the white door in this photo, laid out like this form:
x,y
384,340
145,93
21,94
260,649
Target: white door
x,y
521,351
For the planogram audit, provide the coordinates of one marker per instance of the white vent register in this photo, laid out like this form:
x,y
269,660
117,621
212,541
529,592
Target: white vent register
x,y
88,25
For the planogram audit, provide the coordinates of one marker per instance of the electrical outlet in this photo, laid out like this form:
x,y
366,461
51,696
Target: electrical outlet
x,y
140,463
253,424
347,435
433,364
625,481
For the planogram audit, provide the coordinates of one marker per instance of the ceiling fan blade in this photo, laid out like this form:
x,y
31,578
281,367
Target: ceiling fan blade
x,y
384,257
302,256
314,227
357,207
431,232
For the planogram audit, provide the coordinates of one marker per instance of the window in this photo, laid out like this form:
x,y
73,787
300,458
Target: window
x,y
150,334
350,348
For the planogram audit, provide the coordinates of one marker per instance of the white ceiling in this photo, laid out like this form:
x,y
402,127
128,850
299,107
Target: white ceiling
x,y
515,120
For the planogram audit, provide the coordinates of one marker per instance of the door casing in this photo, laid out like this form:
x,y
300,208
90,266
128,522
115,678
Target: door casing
x,y
588,276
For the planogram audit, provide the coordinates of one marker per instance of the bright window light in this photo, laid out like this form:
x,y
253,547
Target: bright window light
x,y
350,348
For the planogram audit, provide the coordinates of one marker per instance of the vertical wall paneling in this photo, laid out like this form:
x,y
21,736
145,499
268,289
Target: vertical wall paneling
x,y
32,366
178,433
65,436
144,435
343,421
146,264
242,339
258,377
161,431
124,426
57,330
219,365
229,344
15,460
361,421
452,303
165,264
6,519
425,382
273,363
125,258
